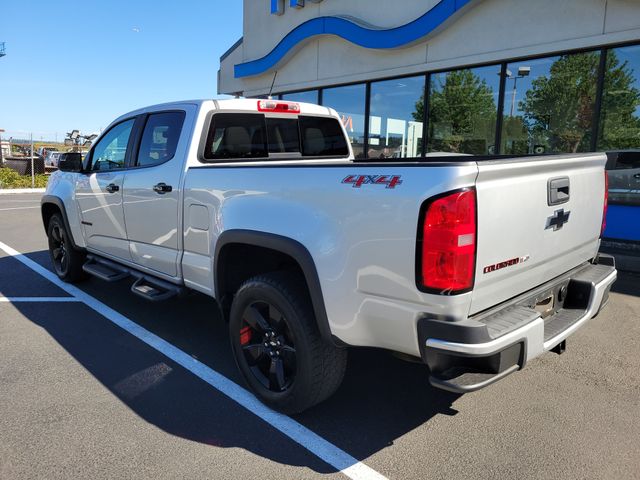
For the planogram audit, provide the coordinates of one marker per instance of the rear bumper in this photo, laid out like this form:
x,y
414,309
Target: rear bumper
x,y
466,356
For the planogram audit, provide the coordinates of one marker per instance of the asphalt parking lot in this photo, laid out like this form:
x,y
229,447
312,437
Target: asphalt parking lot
x,y
82,397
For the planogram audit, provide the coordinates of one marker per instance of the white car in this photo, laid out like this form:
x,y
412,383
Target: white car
x,y
473,265
51,160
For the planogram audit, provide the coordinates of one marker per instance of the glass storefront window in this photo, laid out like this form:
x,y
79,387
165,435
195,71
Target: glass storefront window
x,y
620,113
349,102
623,214
624,178
549,104
463,110
310,96
620,136
395,121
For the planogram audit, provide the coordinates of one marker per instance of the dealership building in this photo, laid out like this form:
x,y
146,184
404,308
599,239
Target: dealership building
x,y
469,76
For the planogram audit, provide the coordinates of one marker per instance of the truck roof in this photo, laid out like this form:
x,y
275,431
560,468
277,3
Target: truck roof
x,y
246,104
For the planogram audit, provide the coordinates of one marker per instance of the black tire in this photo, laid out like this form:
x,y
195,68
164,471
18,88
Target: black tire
x,y
67,261
318,366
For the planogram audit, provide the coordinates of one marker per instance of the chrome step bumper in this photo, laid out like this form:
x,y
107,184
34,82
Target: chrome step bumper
x,y
467,356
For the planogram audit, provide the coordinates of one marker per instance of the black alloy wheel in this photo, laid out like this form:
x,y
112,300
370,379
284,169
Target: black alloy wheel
x,y
67,260
58,247
277,345
268,347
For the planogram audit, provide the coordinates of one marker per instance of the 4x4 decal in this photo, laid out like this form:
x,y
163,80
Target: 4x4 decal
x,y
356,181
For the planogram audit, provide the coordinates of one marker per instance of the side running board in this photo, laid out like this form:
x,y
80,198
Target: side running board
x,y
145,286
154,289
105,269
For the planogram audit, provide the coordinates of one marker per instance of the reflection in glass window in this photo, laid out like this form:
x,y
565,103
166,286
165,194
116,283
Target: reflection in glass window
x,y
463,110
620,130
395,122
624,178
620,114
310,96
549,104
349,103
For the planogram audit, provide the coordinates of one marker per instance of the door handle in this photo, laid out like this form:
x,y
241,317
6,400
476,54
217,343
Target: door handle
x,y
162,188
112,188
558,191
637,175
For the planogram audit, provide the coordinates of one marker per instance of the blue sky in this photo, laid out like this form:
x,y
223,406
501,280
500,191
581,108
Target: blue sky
x,y
72,64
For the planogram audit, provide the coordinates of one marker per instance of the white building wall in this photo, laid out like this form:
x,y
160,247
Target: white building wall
x,y
486,31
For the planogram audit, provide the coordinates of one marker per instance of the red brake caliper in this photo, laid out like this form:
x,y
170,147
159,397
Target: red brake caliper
x,y
245,335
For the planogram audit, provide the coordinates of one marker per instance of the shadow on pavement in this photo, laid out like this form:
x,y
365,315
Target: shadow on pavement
x,y
381,399
627,284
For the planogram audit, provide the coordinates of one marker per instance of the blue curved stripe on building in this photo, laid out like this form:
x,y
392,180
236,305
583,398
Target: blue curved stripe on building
x,y
353,32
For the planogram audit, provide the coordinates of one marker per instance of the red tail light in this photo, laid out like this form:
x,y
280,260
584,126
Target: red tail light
x,y
606,203
274,106
447,249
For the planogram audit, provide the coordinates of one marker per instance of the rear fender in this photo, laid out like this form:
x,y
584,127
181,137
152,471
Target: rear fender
x,y
289,247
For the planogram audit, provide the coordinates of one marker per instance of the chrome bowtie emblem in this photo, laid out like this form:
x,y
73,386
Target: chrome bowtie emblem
x,y
557,220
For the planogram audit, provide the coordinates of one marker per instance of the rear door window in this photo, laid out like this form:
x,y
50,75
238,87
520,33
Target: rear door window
x,y
160,138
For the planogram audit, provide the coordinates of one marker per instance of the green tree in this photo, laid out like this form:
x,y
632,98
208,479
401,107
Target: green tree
x,y
619,123
462,112
559,108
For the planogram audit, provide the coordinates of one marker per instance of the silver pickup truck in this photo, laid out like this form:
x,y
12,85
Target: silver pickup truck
x,y
472,265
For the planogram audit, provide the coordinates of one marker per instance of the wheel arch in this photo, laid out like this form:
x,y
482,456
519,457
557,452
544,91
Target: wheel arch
x,y
286,246
49,206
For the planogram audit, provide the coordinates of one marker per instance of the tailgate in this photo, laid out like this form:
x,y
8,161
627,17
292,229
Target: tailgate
x,y
523,241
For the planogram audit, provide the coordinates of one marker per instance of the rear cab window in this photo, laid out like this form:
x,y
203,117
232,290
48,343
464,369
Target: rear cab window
x,y
243,136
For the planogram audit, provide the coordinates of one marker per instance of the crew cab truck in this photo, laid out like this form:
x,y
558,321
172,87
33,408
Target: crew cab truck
x,y
475,265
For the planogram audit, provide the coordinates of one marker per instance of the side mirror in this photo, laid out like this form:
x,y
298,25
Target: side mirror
x,y
70,162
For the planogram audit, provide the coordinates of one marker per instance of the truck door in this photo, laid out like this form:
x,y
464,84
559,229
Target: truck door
x,y
99,192
151,195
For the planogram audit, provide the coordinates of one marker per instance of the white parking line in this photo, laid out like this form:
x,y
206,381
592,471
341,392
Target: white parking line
x,y
38,299
18,208
13,191
323,449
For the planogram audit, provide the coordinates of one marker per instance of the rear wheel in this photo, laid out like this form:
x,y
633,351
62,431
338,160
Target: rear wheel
x,y
67,261
278,347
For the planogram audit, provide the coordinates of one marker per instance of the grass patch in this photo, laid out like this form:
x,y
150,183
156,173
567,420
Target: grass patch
x,y
11,179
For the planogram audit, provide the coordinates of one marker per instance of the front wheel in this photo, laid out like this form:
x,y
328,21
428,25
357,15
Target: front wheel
x,y
67,261
277,345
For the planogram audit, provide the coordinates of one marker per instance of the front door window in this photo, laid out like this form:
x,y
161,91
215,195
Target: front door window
x,y
110,152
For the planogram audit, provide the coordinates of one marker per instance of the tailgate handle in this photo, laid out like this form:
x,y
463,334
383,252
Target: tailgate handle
x,y
558,191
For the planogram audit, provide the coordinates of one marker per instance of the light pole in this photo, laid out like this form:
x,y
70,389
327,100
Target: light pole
x,y
2,54
522,72
1,158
